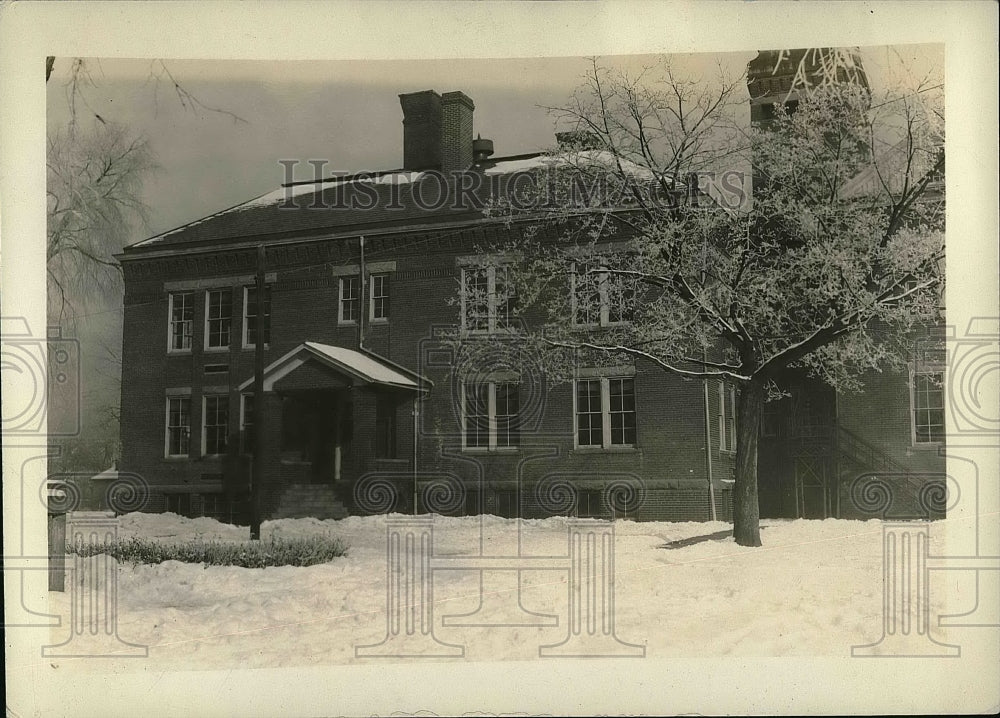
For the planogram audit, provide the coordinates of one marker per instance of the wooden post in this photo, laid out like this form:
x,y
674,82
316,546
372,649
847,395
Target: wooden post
x,y
708,442
259,410
57,551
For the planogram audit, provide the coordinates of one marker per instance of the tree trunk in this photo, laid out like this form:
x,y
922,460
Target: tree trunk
x,y
746,512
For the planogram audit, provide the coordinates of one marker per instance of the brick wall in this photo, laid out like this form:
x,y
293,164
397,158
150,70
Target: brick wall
x,y
669,457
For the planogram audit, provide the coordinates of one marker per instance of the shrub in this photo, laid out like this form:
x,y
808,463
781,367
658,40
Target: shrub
x,y
248,554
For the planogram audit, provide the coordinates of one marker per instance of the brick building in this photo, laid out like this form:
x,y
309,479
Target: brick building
x,y
368,406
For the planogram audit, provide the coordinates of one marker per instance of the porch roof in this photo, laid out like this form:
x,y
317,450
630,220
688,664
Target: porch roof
x,y
359,367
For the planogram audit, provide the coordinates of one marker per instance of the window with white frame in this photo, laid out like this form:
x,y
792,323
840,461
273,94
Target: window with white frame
x,y
491,415
350,300
489,302
378,305
246,423
605,412
214,424
178,439
255,314
727,416
181,321
928,407
218,318
600,297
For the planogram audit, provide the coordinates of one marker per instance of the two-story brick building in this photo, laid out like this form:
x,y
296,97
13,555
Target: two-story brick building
x,y
368,406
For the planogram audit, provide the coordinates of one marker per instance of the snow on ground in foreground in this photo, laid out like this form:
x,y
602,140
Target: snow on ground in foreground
x,y
815,588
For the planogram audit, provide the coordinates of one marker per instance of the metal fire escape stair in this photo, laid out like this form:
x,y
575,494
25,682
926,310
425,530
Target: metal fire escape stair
x,y
875,484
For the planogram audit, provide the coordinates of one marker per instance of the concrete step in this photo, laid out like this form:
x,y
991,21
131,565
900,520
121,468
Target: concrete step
x,y
310,500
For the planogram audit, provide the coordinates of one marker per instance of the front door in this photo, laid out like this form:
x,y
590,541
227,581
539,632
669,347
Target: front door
x,y
794,451
316,434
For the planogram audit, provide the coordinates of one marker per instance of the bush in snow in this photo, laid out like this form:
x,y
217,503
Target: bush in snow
x,y
307,551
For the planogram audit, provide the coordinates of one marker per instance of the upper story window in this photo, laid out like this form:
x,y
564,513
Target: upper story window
x,y
214,424
378,305
927,402
350,300
181,312
488,299
491,413
727,416
605,412
218,318
600,297
178,434
252,312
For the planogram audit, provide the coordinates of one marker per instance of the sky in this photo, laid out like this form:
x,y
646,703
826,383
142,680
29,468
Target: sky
x,y
344,112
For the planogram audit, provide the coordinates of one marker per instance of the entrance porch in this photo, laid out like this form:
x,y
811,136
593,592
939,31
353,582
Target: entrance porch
x,y
331,414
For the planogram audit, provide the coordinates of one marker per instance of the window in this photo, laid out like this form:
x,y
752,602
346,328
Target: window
x,y
490,412
246,423
600,297
379,304
350,304
250,316
505,504
181,321
179,504
473,502
489,302
727,416
178,426
928,407
215,424
605,413
385,428
506,407
218,318
215,506
589,504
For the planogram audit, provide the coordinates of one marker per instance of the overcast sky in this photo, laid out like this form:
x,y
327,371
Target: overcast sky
x,y
344,112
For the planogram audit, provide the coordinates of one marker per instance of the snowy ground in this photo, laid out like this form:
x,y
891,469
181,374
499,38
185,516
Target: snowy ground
x,y
815,588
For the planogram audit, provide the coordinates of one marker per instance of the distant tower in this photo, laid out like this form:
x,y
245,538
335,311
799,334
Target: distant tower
x,y
784,76
781,76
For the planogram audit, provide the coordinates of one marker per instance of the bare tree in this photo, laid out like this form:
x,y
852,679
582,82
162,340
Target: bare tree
x,y
94,188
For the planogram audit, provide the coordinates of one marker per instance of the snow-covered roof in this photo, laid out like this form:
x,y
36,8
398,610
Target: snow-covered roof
x,y
359,367
353,204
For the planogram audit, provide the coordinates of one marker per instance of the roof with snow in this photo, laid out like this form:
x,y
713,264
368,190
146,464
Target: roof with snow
x,y
357,368
377,201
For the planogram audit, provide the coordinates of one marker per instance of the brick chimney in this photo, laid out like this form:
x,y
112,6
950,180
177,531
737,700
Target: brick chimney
x,y
421,130
437,130
456,131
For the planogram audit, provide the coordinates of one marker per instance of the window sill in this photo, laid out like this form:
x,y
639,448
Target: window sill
x,y
178,352
594,327
378,322
216,350
607,449
345,323
487,450
178,457
254,346
928,445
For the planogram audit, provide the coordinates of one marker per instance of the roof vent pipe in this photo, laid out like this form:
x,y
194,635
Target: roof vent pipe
x,y
481,149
